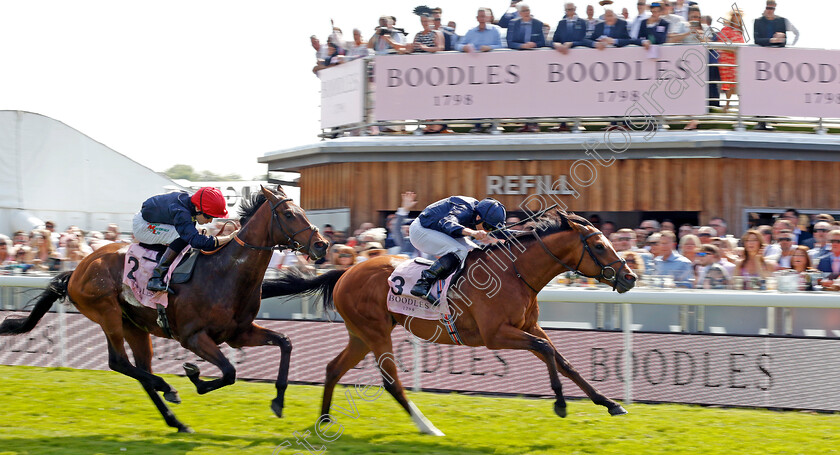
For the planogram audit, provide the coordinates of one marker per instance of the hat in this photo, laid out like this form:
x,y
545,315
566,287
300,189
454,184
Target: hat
x,y
371,247
605,2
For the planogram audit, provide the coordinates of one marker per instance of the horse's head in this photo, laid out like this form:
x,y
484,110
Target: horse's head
x,y
593,255
599,259
290,226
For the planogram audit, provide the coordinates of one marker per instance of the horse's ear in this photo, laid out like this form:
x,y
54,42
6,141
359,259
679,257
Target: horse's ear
x,y
269,196
280,189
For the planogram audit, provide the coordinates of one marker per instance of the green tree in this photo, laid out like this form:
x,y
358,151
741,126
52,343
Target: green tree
x,y
181,171
185,171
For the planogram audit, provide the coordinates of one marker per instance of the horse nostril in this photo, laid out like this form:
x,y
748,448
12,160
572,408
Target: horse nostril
x,y
630,277
321,245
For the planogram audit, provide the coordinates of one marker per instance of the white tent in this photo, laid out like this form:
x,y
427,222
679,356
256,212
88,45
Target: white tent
x,y
50,171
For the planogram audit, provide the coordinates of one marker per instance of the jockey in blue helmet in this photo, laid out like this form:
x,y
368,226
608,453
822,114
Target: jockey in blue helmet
x,y
441,230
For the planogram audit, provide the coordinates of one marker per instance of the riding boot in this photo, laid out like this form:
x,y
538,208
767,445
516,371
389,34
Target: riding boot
x,y
156,282
439,270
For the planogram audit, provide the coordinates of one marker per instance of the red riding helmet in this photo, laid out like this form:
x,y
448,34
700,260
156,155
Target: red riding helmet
x,y
210,202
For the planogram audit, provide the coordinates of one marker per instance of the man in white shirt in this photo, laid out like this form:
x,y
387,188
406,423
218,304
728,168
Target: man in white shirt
x,y
636,25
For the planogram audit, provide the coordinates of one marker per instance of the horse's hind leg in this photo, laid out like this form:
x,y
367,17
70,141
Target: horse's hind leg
x,y
353,353
388,366
260,336
204,346
112,325
567,370
141,346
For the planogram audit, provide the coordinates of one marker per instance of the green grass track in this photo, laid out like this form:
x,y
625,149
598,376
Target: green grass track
x,y
67,412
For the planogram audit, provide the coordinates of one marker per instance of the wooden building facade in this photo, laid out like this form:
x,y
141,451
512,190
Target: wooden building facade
x,y
708,174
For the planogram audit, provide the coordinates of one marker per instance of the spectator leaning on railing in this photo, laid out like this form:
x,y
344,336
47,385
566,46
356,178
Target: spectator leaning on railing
x,y
654,30
635,27
612,32
525,33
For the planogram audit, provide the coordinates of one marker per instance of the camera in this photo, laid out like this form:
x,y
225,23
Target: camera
x,y
695,24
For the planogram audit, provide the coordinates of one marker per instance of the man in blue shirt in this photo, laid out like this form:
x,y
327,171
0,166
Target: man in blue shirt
x,y
672,263
485,37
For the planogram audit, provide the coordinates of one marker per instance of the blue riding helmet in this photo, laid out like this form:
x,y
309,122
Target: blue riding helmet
x,y
492,213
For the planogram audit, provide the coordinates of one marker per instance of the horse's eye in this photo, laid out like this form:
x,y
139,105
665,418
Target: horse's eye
x,y
599,247
288,215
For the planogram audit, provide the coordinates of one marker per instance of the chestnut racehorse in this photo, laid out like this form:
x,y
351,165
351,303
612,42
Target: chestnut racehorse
x,y
217,306
495,300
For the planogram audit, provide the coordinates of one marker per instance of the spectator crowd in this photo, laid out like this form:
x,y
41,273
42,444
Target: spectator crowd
x,y
662,254
799,247
654,23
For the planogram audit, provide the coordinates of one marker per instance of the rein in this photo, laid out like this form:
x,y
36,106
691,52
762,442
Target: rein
x,y
288,243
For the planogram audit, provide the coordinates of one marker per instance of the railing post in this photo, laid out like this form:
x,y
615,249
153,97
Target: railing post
x,y
62,335
627,326
415,350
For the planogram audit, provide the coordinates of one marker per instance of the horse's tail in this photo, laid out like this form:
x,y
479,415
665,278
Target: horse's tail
x,y
294,282
57,289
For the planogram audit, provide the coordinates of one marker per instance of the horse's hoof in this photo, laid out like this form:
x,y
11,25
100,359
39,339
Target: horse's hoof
x,y
618,411
186,429
172,397
277,407
560,409
191,369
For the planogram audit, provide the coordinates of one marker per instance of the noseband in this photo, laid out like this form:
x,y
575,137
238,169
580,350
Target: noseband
x,y
607,272
289,242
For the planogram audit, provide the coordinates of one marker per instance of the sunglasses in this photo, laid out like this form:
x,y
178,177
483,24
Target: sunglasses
x,y
771,8
624,239
345,255
704,235
786,240
820,230
701,254
834,241
766,232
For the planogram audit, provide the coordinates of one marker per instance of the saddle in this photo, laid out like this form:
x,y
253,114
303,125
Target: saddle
x,y
184,267
400,300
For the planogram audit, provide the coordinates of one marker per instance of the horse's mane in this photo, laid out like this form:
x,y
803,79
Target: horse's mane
x,y
550,222
250,206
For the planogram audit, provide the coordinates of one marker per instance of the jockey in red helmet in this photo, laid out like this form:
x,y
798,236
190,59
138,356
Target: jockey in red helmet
x,y
169,219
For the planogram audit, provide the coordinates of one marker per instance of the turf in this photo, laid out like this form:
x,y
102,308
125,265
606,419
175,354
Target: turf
x,y
60,411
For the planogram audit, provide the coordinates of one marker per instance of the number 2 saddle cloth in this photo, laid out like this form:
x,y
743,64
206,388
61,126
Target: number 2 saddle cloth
x,y
400,300
137,270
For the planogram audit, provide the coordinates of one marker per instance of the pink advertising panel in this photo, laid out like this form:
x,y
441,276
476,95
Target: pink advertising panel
x,y
671,80
789,82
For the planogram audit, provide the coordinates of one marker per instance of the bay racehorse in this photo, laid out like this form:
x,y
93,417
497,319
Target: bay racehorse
x,y
494,299
218,305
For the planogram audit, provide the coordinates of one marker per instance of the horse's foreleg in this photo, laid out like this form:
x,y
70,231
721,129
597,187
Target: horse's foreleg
x,y
567,370
509,337
260,336
141,346
204,346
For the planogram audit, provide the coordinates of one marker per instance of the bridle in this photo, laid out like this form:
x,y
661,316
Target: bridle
x,y
289,242
607,272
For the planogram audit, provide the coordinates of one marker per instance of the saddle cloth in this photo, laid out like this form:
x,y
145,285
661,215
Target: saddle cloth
x,y
400,300
137,270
